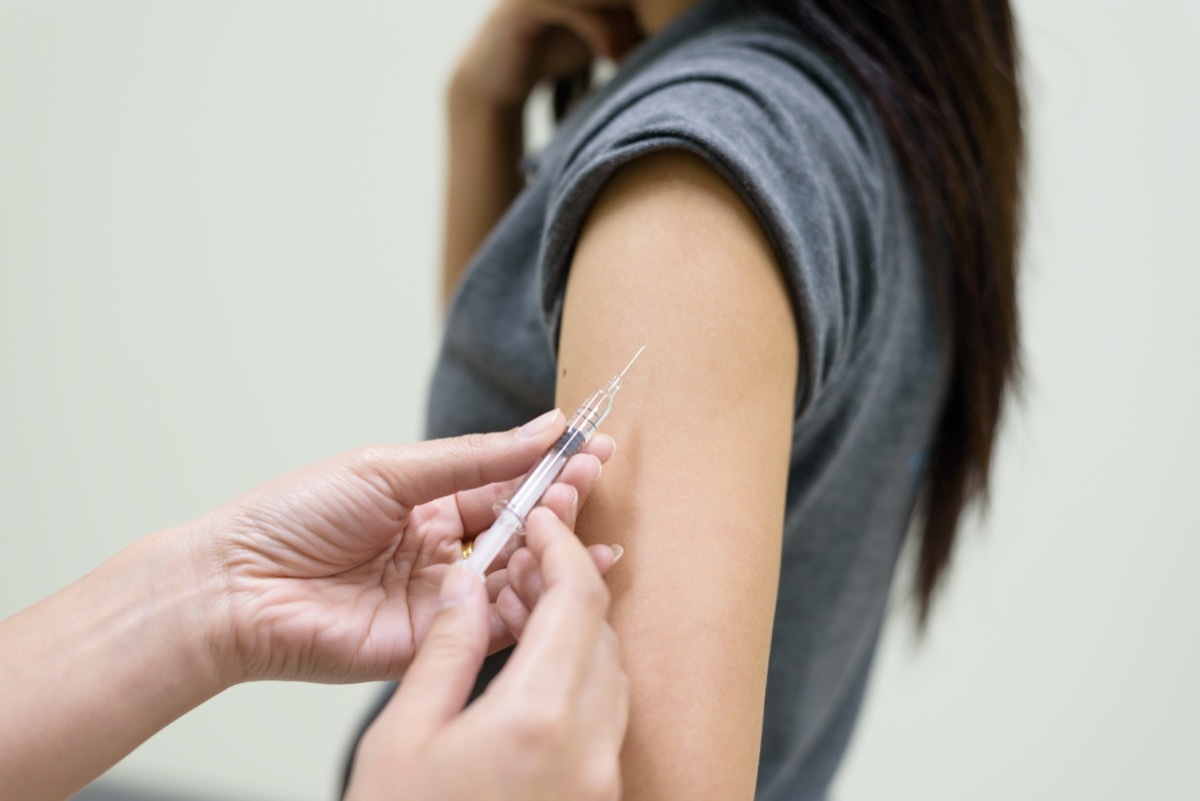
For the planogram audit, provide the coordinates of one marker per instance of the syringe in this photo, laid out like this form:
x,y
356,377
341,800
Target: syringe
x,y
510,519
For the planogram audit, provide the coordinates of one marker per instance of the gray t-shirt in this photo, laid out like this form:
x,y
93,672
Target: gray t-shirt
x,y
799,142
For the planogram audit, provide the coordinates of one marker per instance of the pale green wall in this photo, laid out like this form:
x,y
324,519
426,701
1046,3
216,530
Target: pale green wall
x,y
218,238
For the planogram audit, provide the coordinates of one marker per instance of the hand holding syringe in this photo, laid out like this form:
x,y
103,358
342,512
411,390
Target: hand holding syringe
x,y
510,518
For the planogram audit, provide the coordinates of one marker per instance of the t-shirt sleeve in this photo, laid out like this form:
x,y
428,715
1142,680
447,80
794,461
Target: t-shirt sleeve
x,y
800,161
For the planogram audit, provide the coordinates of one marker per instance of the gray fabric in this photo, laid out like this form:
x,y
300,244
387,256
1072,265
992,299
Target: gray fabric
x,y
790,132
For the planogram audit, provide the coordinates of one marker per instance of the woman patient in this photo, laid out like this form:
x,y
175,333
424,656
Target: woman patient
x,y
806,211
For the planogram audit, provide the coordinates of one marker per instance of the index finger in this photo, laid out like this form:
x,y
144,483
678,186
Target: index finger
x,y
478,506
563,630
423,471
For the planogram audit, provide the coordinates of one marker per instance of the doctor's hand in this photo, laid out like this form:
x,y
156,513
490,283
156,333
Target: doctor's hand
x,y
329,574
332,573
549,727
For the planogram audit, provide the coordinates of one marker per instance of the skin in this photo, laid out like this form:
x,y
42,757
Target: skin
x,y
672,259
340,572
551,725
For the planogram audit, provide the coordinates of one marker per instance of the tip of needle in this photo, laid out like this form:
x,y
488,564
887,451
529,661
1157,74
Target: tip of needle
x,y
631,361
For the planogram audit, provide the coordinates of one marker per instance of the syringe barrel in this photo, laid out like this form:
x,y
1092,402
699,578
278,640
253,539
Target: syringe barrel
x,y
591,414
511,515
546,471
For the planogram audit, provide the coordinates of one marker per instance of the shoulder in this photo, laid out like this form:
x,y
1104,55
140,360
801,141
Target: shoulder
x,y
785,128
748,90
767,109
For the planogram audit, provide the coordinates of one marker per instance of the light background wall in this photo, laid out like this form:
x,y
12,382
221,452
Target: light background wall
x,y
218,247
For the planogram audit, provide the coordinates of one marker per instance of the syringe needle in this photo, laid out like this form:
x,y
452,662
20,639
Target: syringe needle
x,y
511,518
631,361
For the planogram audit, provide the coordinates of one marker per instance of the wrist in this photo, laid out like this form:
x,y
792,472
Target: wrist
x,y
105,663
470,100
192,608
486,138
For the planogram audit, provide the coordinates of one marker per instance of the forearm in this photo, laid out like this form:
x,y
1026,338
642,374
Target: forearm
x,y
482,175
91,672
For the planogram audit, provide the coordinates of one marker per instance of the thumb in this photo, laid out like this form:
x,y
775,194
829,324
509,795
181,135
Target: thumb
x,y
438,682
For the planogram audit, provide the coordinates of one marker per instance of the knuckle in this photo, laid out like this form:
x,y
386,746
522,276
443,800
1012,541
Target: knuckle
x,y
475,449
447,641
611,643
372,455
376,465
366,461
476,443
438,650
601,778
543,725
596,595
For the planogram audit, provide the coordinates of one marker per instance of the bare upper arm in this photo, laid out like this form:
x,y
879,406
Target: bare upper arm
x,y
671,258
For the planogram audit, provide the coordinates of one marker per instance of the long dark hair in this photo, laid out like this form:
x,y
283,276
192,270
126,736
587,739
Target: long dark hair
x,y
942,75
943,78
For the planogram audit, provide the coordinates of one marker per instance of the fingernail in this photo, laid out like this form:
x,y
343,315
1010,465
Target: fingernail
x,y
618,552
538,424
457,585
